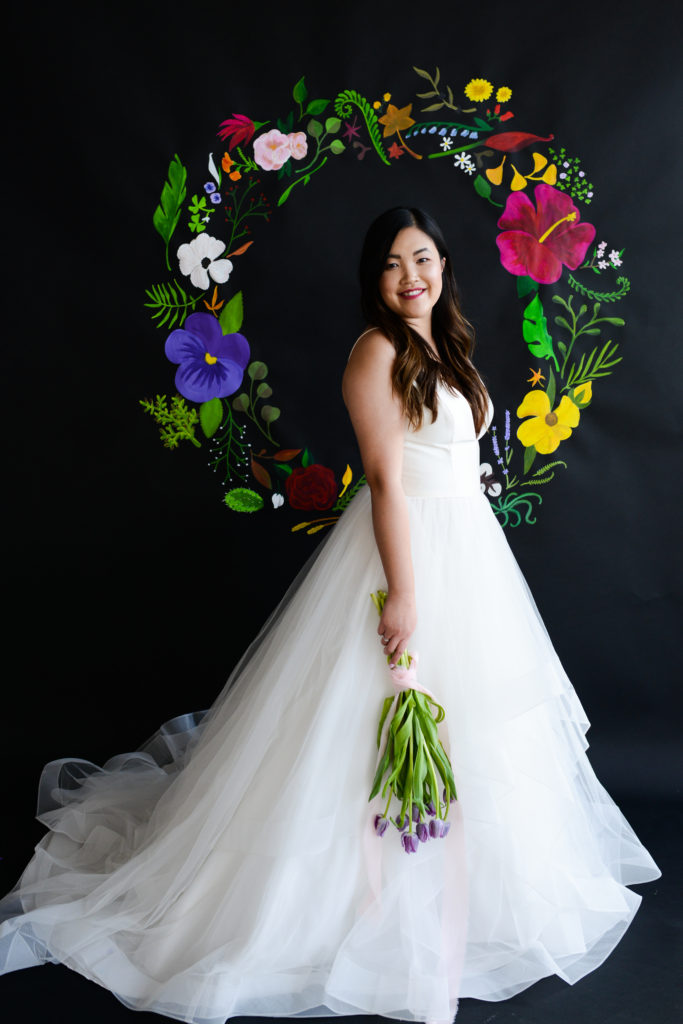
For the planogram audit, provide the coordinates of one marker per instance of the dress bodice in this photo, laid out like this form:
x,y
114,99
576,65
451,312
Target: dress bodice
x,y
441,458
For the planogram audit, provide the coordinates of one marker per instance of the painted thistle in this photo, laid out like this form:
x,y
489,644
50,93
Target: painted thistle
x,y
413,759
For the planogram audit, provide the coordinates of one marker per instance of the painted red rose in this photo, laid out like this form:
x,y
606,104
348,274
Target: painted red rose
x,y
311,487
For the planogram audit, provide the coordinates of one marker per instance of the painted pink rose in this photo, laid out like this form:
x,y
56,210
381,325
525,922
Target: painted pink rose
x,y
271,150
539,241
298,146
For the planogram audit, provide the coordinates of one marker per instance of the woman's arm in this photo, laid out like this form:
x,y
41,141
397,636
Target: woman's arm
x,y
379,424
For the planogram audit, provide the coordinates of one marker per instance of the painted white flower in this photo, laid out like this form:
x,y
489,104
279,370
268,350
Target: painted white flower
x,y
199,260
601,248
615,258
277,500
603,264
461,160
446,143
469,168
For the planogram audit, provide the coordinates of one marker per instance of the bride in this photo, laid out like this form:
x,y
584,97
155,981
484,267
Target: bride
x,y
230,867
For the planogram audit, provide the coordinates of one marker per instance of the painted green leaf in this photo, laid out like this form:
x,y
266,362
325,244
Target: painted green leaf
x,y
317,106
306,458
482,187
241,403
257,370
173,196
300,92
529,456
264,390
232,315
332,125
525,285
550,390
315,128
535,330
480,123
270,413
337,146
243,499
210,416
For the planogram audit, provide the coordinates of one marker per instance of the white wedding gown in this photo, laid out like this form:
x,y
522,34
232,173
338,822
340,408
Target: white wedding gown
x,y
241,876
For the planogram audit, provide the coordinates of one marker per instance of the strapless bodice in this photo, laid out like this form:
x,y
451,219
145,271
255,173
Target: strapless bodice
x,y
441,458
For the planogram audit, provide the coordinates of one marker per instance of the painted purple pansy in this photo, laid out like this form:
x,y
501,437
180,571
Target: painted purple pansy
x,y
410,842
211,364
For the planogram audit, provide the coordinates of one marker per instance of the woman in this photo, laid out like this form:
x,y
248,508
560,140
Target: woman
x,y
245,878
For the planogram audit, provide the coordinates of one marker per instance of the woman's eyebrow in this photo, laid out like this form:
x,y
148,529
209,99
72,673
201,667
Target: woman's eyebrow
x,y
395,256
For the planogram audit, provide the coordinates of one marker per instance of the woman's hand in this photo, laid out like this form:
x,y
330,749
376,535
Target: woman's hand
x,y
397,624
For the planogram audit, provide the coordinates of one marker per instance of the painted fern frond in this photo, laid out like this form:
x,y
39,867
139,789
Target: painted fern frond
x,y
343,105
171,304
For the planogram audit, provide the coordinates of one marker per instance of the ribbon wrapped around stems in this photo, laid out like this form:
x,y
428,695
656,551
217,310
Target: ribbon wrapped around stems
x,y
413,768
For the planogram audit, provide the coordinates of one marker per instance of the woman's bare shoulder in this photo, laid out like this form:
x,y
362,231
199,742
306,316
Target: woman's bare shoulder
x,y
371,347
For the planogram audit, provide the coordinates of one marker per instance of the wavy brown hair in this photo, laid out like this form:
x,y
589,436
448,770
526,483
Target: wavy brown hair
x,y
453,334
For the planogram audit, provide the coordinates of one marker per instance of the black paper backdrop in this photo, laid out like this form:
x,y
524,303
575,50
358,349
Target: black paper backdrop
x,y
132,590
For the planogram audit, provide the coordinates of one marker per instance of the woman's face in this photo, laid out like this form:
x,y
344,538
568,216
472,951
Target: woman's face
x,y
410,284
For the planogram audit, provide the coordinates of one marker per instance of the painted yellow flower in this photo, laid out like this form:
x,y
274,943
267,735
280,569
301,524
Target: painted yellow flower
x,y
478,89
546,428
583,393
386,97
503,94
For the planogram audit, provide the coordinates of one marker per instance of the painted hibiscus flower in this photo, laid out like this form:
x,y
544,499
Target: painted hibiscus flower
x,y
212,364
546,428
538,241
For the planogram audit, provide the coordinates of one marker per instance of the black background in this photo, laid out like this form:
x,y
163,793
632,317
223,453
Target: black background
x,y
132,590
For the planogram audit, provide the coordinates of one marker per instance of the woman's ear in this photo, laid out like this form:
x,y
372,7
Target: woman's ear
x,y
443,263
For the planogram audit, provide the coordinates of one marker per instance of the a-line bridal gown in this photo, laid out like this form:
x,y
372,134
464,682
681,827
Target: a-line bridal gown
x,y
243,877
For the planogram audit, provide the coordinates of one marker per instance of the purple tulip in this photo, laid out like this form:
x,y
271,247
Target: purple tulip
x,y
436,828
431,810
410,842
416,812
381,824
422,832
402,822
446,829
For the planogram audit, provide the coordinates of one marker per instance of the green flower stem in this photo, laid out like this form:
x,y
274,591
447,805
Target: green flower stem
x,y
457,149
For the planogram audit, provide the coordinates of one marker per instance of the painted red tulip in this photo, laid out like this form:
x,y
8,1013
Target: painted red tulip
x,y
538,241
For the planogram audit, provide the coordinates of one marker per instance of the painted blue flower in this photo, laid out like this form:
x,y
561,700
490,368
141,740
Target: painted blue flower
x,y
212,364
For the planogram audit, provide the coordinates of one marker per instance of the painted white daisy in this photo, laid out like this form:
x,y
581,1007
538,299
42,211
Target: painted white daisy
x,y
446,143
469,168
461,160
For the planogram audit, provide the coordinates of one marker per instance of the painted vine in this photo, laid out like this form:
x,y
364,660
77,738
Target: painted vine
x,y
563,273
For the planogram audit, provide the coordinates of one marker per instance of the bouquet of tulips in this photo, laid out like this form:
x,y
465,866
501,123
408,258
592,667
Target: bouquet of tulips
x,y
413,768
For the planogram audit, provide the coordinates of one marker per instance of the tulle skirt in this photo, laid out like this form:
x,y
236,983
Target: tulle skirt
x,y
229,867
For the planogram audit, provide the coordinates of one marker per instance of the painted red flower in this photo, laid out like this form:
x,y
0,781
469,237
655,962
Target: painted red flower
x,y
311,487
537,242
238,128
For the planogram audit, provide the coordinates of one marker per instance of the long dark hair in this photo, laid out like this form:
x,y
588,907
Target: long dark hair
x,y
453,334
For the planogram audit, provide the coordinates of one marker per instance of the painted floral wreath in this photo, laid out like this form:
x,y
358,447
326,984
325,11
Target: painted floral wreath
x,y
223,392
